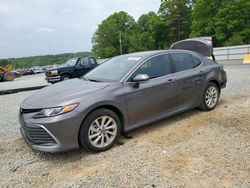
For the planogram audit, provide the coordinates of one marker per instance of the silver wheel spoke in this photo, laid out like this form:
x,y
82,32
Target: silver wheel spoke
x,y
94,135
113,126
102,141
108,122
109,132
97,123
103,120
93,129
98,138
107,138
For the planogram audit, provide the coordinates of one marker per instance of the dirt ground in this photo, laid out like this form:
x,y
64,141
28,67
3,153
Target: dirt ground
x,y
193,149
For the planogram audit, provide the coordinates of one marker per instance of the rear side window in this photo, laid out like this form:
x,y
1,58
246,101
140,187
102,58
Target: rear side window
x,y
155,67
181,61
85,62
196,62
92,61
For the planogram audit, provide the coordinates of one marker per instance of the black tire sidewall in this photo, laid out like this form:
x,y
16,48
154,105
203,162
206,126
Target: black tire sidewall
x,y
83,133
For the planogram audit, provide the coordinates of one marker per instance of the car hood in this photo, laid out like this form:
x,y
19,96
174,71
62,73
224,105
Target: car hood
x,y
63,93
64,68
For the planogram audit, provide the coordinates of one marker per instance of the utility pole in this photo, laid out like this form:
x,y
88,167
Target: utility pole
x,y
120,40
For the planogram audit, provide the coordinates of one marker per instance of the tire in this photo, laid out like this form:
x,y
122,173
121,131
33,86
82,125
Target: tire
x,y
97,138
210,97
65,77
8,76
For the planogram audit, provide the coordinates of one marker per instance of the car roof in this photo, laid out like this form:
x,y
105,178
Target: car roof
x,y
146,54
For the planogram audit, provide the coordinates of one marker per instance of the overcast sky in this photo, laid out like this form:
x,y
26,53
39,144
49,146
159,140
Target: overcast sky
x,y
39,27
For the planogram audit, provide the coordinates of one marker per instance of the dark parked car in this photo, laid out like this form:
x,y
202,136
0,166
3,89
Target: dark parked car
x,y
123,93
74,68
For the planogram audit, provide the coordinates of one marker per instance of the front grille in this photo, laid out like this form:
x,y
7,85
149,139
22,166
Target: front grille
x,y
25,111
37,135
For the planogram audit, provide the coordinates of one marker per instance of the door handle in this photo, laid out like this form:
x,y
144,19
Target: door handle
x,y
170,81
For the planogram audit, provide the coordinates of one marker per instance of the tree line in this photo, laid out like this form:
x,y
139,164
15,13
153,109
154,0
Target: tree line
x,y
227,21
25,62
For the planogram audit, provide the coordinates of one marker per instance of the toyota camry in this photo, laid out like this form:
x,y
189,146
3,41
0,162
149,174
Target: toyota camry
x,y
124,93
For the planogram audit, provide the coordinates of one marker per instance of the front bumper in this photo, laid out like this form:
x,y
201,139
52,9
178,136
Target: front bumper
x,y
53,79
54,134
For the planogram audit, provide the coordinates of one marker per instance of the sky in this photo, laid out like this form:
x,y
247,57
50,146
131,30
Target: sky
x,y
40,27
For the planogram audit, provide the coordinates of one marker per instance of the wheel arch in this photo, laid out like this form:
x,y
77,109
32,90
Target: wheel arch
x,y
216,82
66,73
111,107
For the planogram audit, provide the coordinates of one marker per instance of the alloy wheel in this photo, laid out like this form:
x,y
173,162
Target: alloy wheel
x,y
102,131
211,97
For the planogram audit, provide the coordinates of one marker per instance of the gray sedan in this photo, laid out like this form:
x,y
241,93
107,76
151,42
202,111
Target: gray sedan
x,y
124,93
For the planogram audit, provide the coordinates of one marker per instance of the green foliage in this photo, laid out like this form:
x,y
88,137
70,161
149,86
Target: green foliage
x,y
176,14
25,62
106,39
228,21
4,62
147,34
150,32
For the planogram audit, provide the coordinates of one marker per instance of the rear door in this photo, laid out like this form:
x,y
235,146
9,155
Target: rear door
x,y
154,97
189,79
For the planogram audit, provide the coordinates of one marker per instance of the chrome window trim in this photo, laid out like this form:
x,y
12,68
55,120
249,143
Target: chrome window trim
x,y
164,53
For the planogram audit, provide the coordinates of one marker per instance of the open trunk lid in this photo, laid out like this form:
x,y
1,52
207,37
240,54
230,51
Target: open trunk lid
x,y
202,45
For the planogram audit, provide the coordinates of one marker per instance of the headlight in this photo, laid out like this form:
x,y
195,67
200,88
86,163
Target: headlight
x,y
54,73
49,112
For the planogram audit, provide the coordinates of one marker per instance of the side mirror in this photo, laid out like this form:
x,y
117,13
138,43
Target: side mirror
x,y
140,78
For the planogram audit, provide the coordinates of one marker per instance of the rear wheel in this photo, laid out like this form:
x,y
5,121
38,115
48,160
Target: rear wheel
x,y
100,130
210,97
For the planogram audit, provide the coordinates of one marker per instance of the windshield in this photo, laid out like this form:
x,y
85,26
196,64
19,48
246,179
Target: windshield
x,y
112,70
71,62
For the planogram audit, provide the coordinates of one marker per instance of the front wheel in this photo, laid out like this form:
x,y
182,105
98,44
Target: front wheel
x,y
100,130
8,76
65,77
210,97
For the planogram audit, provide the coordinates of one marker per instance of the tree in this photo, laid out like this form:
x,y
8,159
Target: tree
x,y
147,34
4,62
25,62
227,21
106,40
176,14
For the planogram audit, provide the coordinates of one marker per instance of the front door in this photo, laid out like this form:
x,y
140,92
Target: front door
x,y
154,97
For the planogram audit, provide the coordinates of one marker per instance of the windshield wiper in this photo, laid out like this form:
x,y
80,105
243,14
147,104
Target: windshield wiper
x,y
93,80
84,78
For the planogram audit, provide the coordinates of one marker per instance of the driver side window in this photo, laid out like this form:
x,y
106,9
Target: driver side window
x,y
155,67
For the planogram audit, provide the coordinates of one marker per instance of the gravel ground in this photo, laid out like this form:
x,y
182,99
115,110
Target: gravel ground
x,y
194,149
25,81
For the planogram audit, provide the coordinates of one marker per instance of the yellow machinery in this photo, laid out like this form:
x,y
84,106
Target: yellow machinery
x,y
6,74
